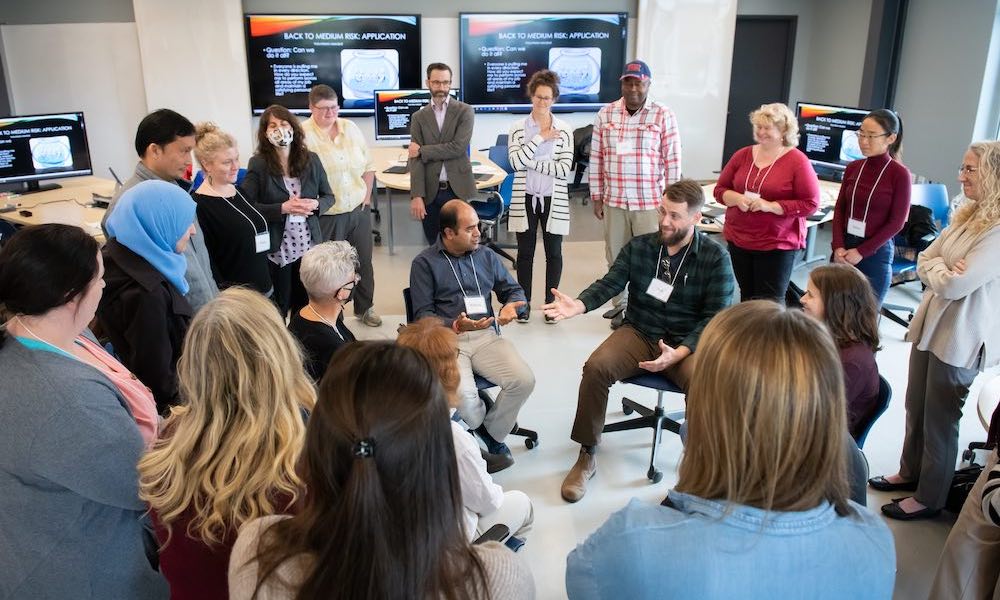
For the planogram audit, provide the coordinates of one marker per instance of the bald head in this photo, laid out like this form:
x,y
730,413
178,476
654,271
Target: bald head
x,y
459,225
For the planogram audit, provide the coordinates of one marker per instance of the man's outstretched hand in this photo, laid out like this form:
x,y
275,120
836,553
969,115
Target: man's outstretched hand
x,y
563,306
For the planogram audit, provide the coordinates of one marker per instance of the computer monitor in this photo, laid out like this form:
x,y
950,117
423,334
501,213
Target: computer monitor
x,y
828,135
34,148
393,110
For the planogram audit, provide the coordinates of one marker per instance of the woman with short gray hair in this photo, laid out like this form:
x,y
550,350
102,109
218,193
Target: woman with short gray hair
x,y
329,274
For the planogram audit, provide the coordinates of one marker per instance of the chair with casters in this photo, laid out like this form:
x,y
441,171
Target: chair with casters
x,y
582,138
483,386
491,211
884,396
934,197
656,418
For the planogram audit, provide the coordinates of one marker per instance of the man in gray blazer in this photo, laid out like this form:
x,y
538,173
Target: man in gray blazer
x,y
440,134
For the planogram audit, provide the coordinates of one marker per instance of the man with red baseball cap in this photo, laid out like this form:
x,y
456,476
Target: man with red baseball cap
x,y
635,154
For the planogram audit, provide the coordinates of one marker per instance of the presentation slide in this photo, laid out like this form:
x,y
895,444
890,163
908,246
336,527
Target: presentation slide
x,y
500,52
353,54
828,135
43,147
393,109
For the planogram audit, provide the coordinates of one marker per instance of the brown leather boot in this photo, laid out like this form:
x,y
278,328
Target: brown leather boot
x,y
575,485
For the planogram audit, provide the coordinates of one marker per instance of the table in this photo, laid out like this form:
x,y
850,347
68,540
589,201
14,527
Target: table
x,y
828,192
72,204
384,157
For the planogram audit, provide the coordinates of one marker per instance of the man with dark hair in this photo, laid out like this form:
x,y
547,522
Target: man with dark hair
x,y
342,149
440,169
678,279
164,140
452,280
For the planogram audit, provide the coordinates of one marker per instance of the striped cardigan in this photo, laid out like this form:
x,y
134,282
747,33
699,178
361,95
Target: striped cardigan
x,y
521,155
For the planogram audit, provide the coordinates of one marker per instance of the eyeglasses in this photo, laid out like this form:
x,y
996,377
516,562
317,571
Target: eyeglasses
x,y
871,136
543,98
967,170
327,109
439,83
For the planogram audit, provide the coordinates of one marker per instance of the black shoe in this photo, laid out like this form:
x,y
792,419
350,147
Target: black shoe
x,y
497,462
881,484
550,320
894,511
618,320
524,315
613,312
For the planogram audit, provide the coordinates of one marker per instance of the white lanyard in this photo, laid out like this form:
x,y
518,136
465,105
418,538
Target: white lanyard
x,y
871,193
659,258
249,220
474,274
753,163
329,324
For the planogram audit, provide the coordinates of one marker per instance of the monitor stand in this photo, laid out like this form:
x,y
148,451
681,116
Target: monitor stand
x,y
34,186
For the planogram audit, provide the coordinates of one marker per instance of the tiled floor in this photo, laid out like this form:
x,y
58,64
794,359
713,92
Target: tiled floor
x,y
557,353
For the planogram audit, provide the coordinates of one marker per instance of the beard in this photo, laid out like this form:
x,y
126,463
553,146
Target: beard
x,y
675,238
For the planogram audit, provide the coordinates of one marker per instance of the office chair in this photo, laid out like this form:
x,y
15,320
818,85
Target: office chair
x,y
492,211
655,418
884,396
933,196
483,386
581,159
988,403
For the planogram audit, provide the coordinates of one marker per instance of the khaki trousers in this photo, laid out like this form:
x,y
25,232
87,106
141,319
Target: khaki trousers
x,y
620,226
497,359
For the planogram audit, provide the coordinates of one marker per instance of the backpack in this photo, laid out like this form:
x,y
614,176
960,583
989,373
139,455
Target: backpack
x,y
920,229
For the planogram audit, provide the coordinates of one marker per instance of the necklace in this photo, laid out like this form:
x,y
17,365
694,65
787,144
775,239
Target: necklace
x,y
328,323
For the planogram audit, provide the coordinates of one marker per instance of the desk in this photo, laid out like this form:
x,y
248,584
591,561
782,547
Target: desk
x,y
828,192
385,156
71,205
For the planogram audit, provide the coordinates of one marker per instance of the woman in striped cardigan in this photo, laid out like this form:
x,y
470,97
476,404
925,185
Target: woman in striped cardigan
x,y
540,149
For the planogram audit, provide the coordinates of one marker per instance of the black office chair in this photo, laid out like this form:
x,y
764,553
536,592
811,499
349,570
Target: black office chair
x,y
582,138
884,396
655,418
483,386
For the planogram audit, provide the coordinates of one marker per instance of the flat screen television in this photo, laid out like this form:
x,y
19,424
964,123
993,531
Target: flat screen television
x,y
353,54
35,148
499,52
393,110
828,136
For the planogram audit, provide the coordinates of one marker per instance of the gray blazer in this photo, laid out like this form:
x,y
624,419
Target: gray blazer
x,y
446,147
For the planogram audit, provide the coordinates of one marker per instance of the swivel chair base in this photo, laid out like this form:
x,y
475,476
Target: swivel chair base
x,y
656,418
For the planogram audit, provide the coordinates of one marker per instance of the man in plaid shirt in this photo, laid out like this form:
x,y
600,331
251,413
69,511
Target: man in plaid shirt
x,y
635,153
678,280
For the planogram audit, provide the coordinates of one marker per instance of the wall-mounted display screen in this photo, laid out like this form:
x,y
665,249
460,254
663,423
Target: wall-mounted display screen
x,y
500,52
353,54
38,147
828,136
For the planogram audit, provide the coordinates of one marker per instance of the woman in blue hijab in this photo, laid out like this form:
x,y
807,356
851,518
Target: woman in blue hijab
x,y
143,309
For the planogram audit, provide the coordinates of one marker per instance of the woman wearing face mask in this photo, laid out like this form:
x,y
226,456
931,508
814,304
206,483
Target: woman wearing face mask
x,y
329,274
143,309
874,201
236,233
289,187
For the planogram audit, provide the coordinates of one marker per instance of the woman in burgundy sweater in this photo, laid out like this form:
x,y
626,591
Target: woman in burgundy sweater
x,y
770,189
229,451
874,201
840,297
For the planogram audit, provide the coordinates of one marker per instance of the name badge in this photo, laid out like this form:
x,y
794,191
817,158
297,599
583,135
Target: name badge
x,y
660,289
856,227
262,242
475,305
624,147
296,218
753,195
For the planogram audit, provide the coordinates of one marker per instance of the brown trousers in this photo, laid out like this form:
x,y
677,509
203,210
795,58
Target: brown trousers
x,y
617,358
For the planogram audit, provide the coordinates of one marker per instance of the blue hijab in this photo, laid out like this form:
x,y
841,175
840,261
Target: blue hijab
x,y
149,219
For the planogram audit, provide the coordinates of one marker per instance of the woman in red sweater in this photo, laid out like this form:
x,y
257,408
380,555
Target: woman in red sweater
x,y
769,188
228,453
874,201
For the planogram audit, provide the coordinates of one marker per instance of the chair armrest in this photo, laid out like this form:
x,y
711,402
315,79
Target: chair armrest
x,y
497,533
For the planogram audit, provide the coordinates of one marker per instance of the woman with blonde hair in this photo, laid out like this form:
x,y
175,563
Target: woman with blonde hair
x,y
955,334
485,503
770,189
763,481
229,452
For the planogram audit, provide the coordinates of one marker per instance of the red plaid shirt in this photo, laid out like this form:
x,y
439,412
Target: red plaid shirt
x,y
634,157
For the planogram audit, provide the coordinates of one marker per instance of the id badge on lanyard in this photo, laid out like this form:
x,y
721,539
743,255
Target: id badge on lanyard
x,y
856,227
475,305
262,242
660,289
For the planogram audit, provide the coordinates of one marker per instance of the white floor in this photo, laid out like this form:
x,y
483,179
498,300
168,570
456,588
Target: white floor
x,y
557,353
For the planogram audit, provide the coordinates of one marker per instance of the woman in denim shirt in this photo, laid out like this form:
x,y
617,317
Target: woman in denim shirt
x,y
761,508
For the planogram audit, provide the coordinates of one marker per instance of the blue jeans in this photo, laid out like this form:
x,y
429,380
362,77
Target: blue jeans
x,y
877,267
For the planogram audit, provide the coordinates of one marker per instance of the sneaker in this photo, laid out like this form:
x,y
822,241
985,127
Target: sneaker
x,y
524,314
371,318
550,320
574,487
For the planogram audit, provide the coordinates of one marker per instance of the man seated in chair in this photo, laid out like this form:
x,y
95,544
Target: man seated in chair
x,y
453,280
678,279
